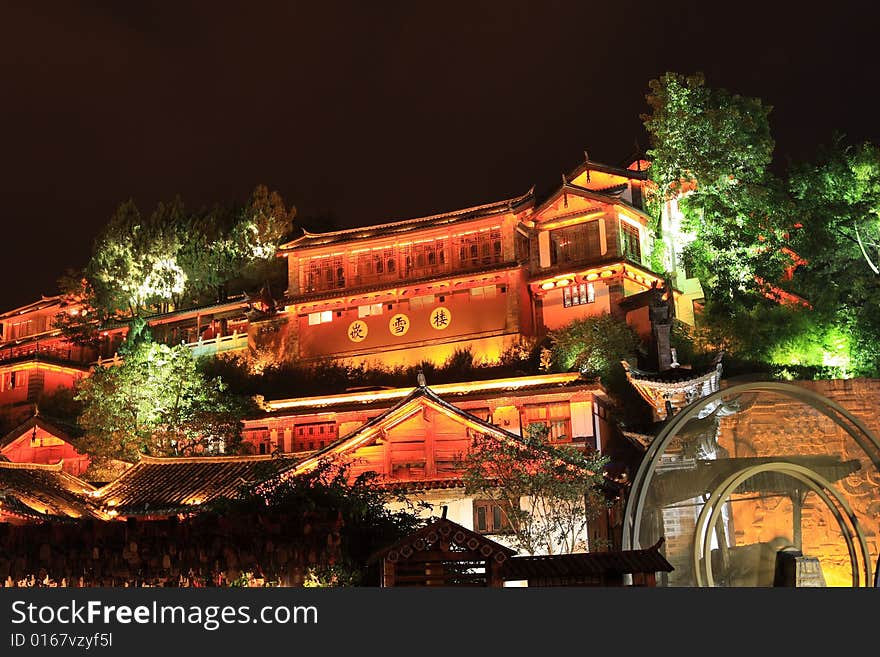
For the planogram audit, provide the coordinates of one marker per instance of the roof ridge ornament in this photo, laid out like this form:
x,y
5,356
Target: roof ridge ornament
x,y
420,379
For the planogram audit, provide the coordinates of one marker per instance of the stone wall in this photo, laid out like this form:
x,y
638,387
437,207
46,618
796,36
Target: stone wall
x,y
776,425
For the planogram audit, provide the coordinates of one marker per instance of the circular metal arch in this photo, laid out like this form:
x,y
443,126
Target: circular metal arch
x,y
814,481
635,504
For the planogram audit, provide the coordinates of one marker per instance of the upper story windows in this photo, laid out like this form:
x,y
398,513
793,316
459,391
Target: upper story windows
x,y
578,294
20,328
479,248
403,262
577,243
630,242
13,380
325,273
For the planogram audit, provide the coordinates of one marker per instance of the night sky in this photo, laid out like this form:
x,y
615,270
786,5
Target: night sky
x,y
374,111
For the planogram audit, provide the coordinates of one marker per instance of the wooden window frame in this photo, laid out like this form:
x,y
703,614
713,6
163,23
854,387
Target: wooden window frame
x,y
492,513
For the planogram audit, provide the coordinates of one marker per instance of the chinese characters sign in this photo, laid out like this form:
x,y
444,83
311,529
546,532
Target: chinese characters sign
x,y
357,330
399,325
440,318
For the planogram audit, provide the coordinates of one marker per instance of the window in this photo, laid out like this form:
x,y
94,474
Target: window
x,y
13,380
325,273
577,295
483,292
316,435
484,413
374,265
479,248
630,241
424,258
425,301
490,518
371,309
555,415
575,243
320,317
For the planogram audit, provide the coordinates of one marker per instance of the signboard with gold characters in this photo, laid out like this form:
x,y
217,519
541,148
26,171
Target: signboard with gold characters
x,y
357,330
441,318
398,325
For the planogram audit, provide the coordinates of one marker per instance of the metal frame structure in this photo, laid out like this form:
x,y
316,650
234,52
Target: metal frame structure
x,y
855,428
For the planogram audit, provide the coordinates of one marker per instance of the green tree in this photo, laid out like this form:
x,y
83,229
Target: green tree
x,y
839,206
548,494
134,266
712,148
594,346
156,402
85,314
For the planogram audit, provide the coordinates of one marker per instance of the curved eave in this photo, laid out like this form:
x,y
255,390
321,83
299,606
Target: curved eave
x,y
308,240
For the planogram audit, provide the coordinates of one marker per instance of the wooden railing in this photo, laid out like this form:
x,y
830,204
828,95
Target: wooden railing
x,y
234,342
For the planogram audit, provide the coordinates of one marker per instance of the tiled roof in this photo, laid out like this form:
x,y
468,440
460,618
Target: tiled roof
x,y
607,168
676,374
45,490
57,428
587,564
676,485
167,485
44,302
429,536
349,234
370,429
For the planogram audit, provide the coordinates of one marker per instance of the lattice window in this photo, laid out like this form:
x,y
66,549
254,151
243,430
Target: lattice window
x,y
630,241
479,248
424,258
578,294
490,518
325,273
374,266
575,243
555,415
315,435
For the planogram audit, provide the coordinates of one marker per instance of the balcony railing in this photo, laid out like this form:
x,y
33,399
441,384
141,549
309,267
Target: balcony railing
x,y
224,343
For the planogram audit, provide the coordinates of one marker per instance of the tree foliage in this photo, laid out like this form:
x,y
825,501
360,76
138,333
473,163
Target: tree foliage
x,y
839,201
174,257
714,147
156,402
548,494
594,346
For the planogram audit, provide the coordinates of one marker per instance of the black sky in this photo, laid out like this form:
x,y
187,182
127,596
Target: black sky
x,y
374,111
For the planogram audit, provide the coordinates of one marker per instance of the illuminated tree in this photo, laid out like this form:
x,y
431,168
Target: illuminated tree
x,y
839,202
134,266
548,494
594,345
80,323
265,221
156,402
712,148
229,246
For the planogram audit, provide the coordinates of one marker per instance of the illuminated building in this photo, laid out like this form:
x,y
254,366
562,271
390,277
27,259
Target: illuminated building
x,y
487,279
482,277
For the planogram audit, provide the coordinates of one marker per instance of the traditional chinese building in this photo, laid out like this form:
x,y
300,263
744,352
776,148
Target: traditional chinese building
x,y
482,278
41,441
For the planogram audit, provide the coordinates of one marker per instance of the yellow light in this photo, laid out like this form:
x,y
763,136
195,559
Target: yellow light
x,y
563,282
512,383
547,286
592,277
608,273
